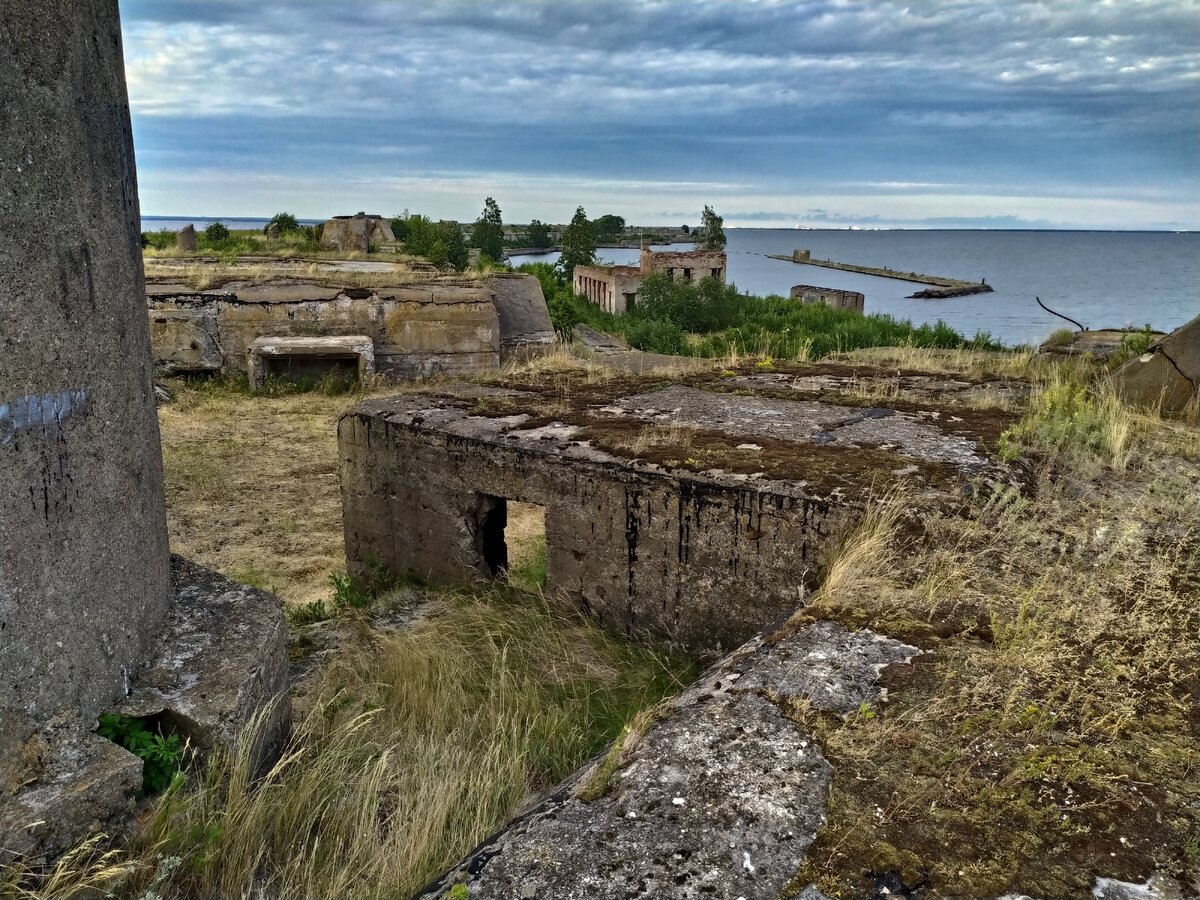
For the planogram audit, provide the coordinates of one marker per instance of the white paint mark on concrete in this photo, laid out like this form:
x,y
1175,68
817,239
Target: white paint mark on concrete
x,y
40,411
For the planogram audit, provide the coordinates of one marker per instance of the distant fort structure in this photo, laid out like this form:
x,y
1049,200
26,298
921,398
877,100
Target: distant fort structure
x,y
615,288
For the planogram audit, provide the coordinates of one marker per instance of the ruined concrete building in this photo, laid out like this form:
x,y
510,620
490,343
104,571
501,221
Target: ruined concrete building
x,y
682,512
615,288
356,232
293,326
95,615
832,297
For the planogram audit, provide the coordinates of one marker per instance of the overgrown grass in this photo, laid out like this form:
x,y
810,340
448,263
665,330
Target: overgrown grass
x,y
414,747
1047,733
1074,422
713,320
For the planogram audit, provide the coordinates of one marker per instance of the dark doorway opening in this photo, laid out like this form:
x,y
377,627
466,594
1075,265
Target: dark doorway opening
x,y
491,520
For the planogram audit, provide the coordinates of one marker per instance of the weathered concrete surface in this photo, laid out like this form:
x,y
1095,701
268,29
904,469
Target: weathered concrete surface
x,y
832,297
185,238
1167,373
84,579
87,786
416,330
356,232
525,327
720,798
357,348
222,658
699,559
1100,343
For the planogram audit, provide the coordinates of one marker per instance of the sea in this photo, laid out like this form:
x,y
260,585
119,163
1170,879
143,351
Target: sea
x,y
1102,279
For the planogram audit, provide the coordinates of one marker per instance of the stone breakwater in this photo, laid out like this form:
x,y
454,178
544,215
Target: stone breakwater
x,y
941,287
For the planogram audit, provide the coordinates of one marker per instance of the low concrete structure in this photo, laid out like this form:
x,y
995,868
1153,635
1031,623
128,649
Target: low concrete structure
x,y
615,288
801,256
356,232
89,607
1167,375
641,531
291,356
852,301
415,330
185,238
720,798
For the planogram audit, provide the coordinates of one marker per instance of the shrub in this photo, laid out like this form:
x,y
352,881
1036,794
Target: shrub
x,y
216,234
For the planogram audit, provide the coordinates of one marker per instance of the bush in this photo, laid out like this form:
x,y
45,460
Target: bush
x,y
163,239
216,234
731,322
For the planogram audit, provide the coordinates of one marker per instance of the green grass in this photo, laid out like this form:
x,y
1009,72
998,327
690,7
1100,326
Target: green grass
x,y
712,320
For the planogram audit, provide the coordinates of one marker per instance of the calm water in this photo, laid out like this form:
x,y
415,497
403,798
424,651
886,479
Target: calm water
x,y
1102,279
160,223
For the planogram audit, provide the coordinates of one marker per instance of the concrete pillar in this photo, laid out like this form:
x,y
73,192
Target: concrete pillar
x,y
84,566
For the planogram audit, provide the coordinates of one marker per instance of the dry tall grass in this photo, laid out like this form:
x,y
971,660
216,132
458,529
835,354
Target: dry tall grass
x,y
415,746
1049,729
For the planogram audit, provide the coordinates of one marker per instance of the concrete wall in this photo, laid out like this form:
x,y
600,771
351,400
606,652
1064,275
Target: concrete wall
x,y
697,564
525,327
84,578
701,263
417,330
846,300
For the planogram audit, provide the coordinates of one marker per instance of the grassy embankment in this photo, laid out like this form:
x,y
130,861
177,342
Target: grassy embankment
x,y
708,319
1047,734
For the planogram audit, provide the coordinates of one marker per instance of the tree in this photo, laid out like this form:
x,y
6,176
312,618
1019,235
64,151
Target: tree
x,y
437,254
609,228
488,233
711,226
685,229
450,233
284,221
539,235
578,245
399,227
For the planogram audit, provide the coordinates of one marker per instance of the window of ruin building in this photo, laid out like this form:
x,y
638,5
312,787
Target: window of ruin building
x,y
671,274
687,274
716,273
630,301
510,537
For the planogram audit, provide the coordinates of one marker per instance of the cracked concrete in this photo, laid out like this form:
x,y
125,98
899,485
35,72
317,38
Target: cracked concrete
x,y
720,798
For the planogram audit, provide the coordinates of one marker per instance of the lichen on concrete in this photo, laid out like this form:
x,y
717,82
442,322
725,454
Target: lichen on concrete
x,y
720,798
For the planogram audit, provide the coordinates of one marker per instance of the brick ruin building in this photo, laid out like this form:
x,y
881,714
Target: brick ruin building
x,y
615,288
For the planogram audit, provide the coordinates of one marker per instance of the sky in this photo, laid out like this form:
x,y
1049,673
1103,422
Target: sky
x,y
790,113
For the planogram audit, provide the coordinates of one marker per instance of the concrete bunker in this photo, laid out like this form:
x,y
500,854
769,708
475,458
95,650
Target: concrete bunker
x,y
414,330
679,512
349,359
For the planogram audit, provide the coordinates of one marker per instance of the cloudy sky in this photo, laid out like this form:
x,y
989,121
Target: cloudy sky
x,y
1062,113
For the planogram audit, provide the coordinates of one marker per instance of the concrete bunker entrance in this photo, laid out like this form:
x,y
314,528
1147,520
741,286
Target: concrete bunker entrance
x,y
510,540
305,370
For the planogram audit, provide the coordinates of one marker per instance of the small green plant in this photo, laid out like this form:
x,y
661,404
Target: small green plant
x,y
308,613
360,591
458,892
161,755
